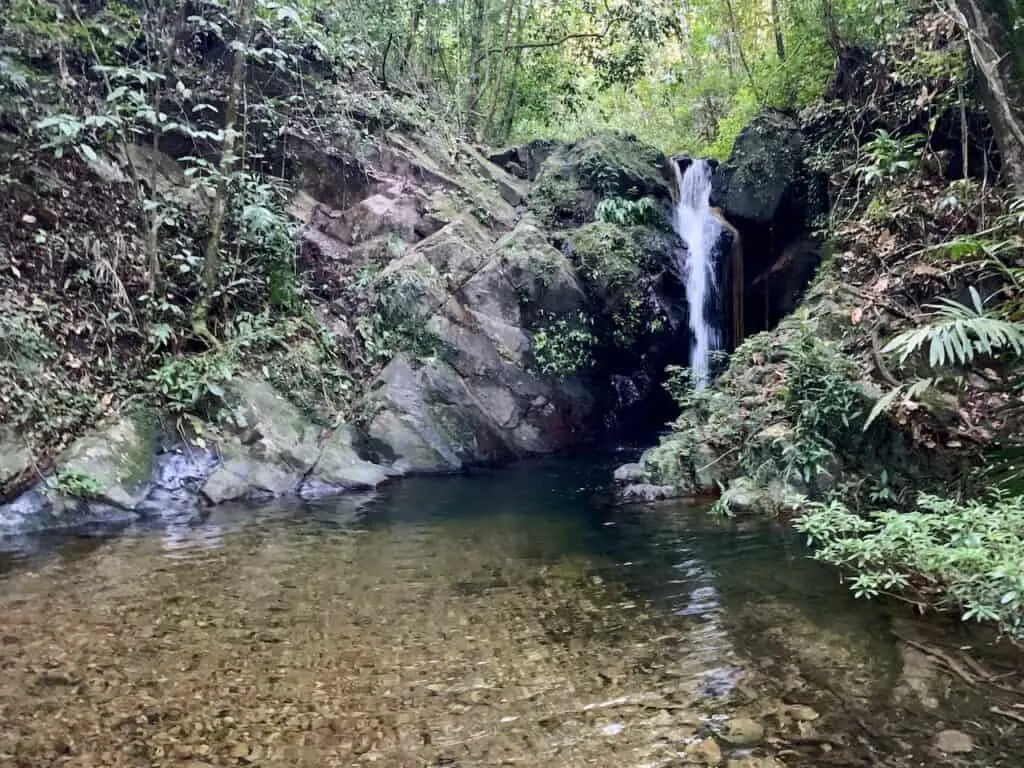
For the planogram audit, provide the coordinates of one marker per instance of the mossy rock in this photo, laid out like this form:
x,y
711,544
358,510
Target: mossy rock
x,y
619,165
113,464
574,178
619,279
607,257
15,455
542,276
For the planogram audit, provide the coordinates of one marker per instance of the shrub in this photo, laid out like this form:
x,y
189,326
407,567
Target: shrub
x,y
967,556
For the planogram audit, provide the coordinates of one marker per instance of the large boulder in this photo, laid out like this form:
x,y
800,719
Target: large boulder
x,y
574,178
426,419
15,455
772,197
112,465
102,478
341,467
764,181
272,449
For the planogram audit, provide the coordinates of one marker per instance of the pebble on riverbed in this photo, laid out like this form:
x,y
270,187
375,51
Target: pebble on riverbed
x,y
705,752
953,742
743,732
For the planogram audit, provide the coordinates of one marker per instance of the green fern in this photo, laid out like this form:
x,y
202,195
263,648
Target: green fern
x,y
957,335
12,76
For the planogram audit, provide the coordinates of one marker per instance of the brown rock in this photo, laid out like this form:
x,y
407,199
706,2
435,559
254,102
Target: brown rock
x,y
705,752
743,732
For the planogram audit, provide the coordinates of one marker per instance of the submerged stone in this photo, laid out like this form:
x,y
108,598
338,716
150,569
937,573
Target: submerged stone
x,y
647,493
705,752
743,732
953,742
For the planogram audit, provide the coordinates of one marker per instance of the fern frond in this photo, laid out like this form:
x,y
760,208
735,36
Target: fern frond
x,y
959,333
12,76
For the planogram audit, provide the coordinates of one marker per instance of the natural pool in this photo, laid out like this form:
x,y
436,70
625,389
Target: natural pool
x,y
510,617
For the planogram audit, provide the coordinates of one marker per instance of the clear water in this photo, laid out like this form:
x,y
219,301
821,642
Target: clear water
x,y
700,230
510,617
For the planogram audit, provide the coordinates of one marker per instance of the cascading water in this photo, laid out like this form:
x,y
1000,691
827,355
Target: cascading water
x,y
700,230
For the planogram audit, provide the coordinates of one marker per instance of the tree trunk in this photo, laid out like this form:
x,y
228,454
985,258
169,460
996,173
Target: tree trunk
x,y
828,20
508,117
410,41
499,82
780,48
735,26
218,211
476,61
990,26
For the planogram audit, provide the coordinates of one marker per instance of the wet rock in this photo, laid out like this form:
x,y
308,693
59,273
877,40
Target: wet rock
x,y
114,463
802,713
769,194
647,493
742,732
953,742
241,476
183,468
44,508
36,509
15,456
341,467
704,752
745,496
629,474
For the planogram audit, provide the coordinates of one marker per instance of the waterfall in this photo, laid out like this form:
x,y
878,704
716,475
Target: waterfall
x,y
698,228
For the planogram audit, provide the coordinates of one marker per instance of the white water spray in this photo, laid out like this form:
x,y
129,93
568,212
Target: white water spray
x,y
700,230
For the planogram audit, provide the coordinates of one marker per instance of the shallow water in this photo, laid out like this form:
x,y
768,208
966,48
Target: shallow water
x,y
511,617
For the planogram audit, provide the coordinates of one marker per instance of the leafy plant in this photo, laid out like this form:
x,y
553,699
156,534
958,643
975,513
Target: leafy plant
x,y
187,384
967,555
629,213
887,155
563,346
77,483
957,335
823,403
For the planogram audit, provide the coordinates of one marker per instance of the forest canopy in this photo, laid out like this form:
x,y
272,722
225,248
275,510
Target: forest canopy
x,y
676,74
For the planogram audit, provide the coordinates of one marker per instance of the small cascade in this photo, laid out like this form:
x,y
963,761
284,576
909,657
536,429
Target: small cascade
x,y
700,230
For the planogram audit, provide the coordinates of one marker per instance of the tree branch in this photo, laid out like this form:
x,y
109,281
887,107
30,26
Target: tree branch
x,y
554,42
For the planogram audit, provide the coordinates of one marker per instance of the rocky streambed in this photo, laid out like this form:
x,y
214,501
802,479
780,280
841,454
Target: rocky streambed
x,y
507,617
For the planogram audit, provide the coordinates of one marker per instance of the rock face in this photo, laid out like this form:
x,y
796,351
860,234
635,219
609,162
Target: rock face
x,y
516,323
267,448
490,315
101,477
766,190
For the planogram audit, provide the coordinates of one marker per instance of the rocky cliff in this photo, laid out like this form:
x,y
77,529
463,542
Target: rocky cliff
x,y
488,307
